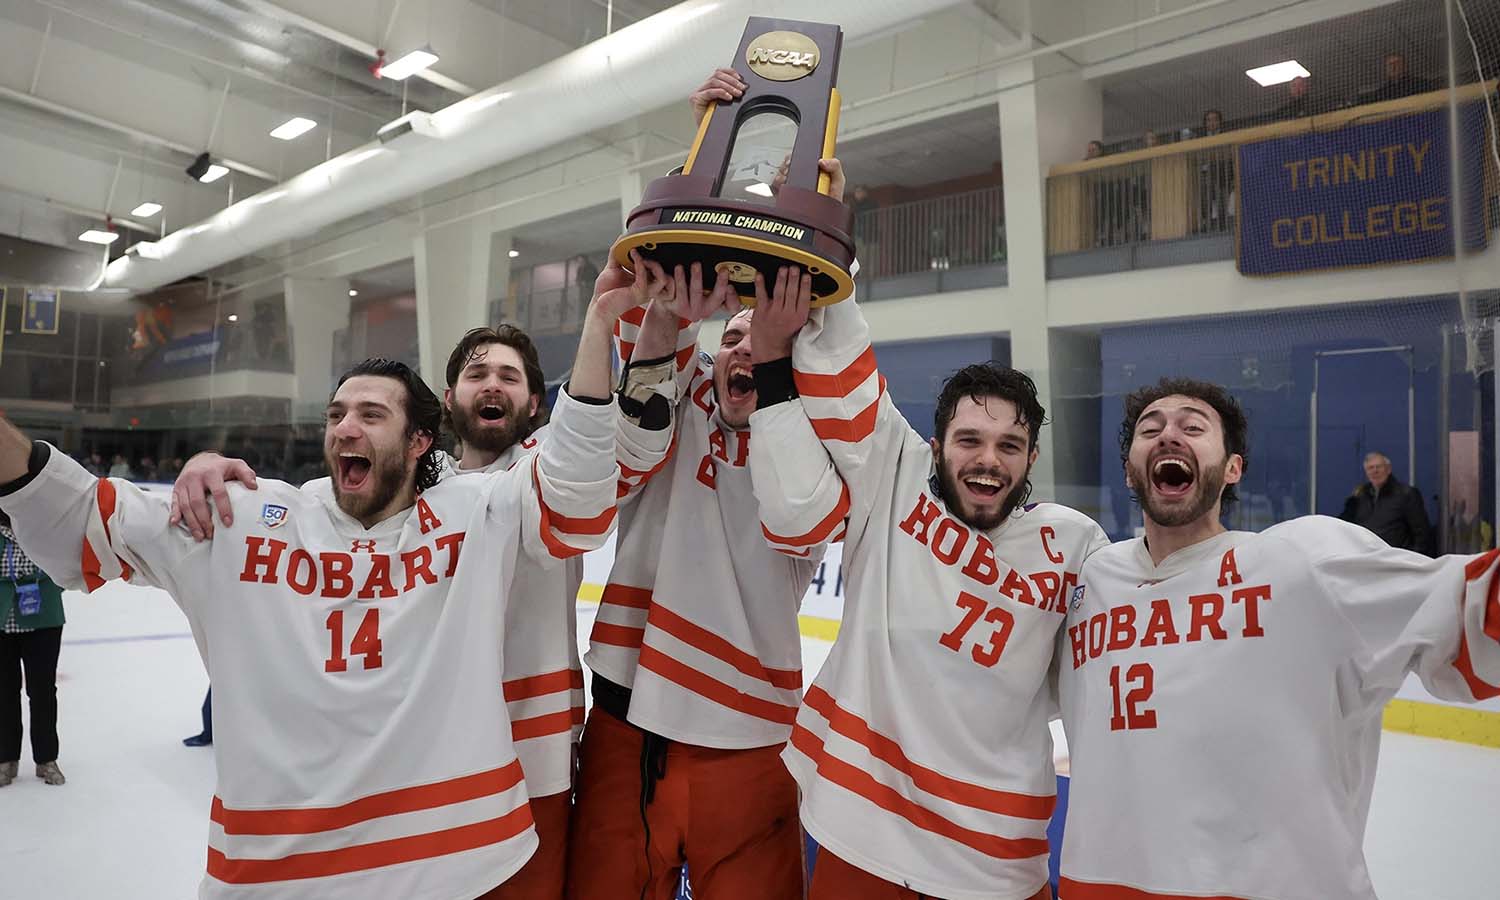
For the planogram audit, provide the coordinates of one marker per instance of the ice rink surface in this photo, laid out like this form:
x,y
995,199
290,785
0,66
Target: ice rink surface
x,y
131,822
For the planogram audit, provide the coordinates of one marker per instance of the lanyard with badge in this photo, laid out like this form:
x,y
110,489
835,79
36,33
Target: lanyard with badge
x,y
28,595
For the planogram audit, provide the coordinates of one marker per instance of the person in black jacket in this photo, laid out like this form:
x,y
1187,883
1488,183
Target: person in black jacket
x,y
1394,511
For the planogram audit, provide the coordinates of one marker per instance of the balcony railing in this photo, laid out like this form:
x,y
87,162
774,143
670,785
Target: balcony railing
x,y
934,234
1190,189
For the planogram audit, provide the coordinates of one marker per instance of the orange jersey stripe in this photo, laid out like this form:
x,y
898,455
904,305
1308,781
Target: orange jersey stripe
x,y
1083,890
545,725
537,685
370,856
549,520
625,595
712,689
839,384
850,430
857,780
1464,663
819,532
617,635
1005,803
375,806
701,638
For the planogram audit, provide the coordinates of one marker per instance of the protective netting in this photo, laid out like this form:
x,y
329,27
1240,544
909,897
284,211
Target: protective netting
x,y
1373,172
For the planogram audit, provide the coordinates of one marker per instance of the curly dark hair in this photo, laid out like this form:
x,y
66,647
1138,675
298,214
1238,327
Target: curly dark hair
x,y
1236,425
991,379
424,411
510,336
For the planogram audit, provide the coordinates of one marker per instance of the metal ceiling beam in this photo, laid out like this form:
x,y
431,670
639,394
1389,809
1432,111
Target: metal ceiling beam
x,y
282,14
79,115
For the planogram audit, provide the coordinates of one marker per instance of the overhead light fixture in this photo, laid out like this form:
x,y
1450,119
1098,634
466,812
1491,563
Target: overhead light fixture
x,y
234,317
95,236
204,169
409,65
294,127
759,188
1278,73
514,253
146,210
353,292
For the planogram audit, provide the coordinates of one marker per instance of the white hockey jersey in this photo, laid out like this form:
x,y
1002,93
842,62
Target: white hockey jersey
x,y
362,753
699,617
1223,709
543,687
922,749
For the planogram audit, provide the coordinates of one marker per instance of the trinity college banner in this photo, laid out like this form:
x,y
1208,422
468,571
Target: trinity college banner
x,y
1362,195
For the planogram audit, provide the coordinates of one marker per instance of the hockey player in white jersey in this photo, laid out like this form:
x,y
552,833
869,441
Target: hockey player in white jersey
x,y
695,652
361,753
922,749
1222,691
494,399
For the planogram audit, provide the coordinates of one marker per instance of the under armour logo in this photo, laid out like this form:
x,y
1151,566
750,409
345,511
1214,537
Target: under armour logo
x,y
362,547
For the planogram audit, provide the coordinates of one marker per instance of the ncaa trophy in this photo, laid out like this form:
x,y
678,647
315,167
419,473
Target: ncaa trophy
x,y
750,197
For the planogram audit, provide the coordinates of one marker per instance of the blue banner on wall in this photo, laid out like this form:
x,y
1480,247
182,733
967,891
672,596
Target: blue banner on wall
x,y
1359,196
39,311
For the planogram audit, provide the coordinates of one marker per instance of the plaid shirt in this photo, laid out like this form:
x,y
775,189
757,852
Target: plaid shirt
x,y
14,566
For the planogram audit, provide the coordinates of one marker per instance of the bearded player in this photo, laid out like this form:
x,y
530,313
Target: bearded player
x,y
354,640
922,750
1222,691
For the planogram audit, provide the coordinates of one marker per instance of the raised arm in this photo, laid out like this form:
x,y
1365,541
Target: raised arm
x,y
658,346
570,506
84,531
803,501
1436,617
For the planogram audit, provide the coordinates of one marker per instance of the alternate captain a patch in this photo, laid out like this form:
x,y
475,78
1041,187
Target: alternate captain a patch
x,y
273,515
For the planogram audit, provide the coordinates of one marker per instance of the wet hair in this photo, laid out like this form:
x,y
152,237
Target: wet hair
x,y
990,379
1236,426
424,411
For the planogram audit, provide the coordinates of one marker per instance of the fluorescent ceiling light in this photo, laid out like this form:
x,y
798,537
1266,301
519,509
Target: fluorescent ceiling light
x,y
146,210
409,65
514,253
234,317
95,236
1278,73
353,292
760,188
214,173
293,128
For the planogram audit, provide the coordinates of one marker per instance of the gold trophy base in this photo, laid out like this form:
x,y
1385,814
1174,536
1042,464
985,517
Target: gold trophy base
x,y
740,255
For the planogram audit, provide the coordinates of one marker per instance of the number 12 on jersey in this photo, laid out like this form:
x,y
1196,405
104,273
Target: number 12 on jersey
x,y
1139,682
366,641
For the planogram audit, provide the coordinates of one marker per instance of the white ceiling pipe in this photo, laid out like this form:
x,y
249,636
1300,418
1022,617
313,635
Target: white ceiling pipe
x,y
650,64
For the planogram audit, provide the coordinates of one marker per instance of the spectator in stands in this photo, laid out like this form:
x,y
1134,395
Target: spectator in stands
x,y
584,273
170,468
1150,139
1394,511
119,468
31,624
1299,100
1399,82
1213,123
147,471
96,466
1215,178
1094,151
